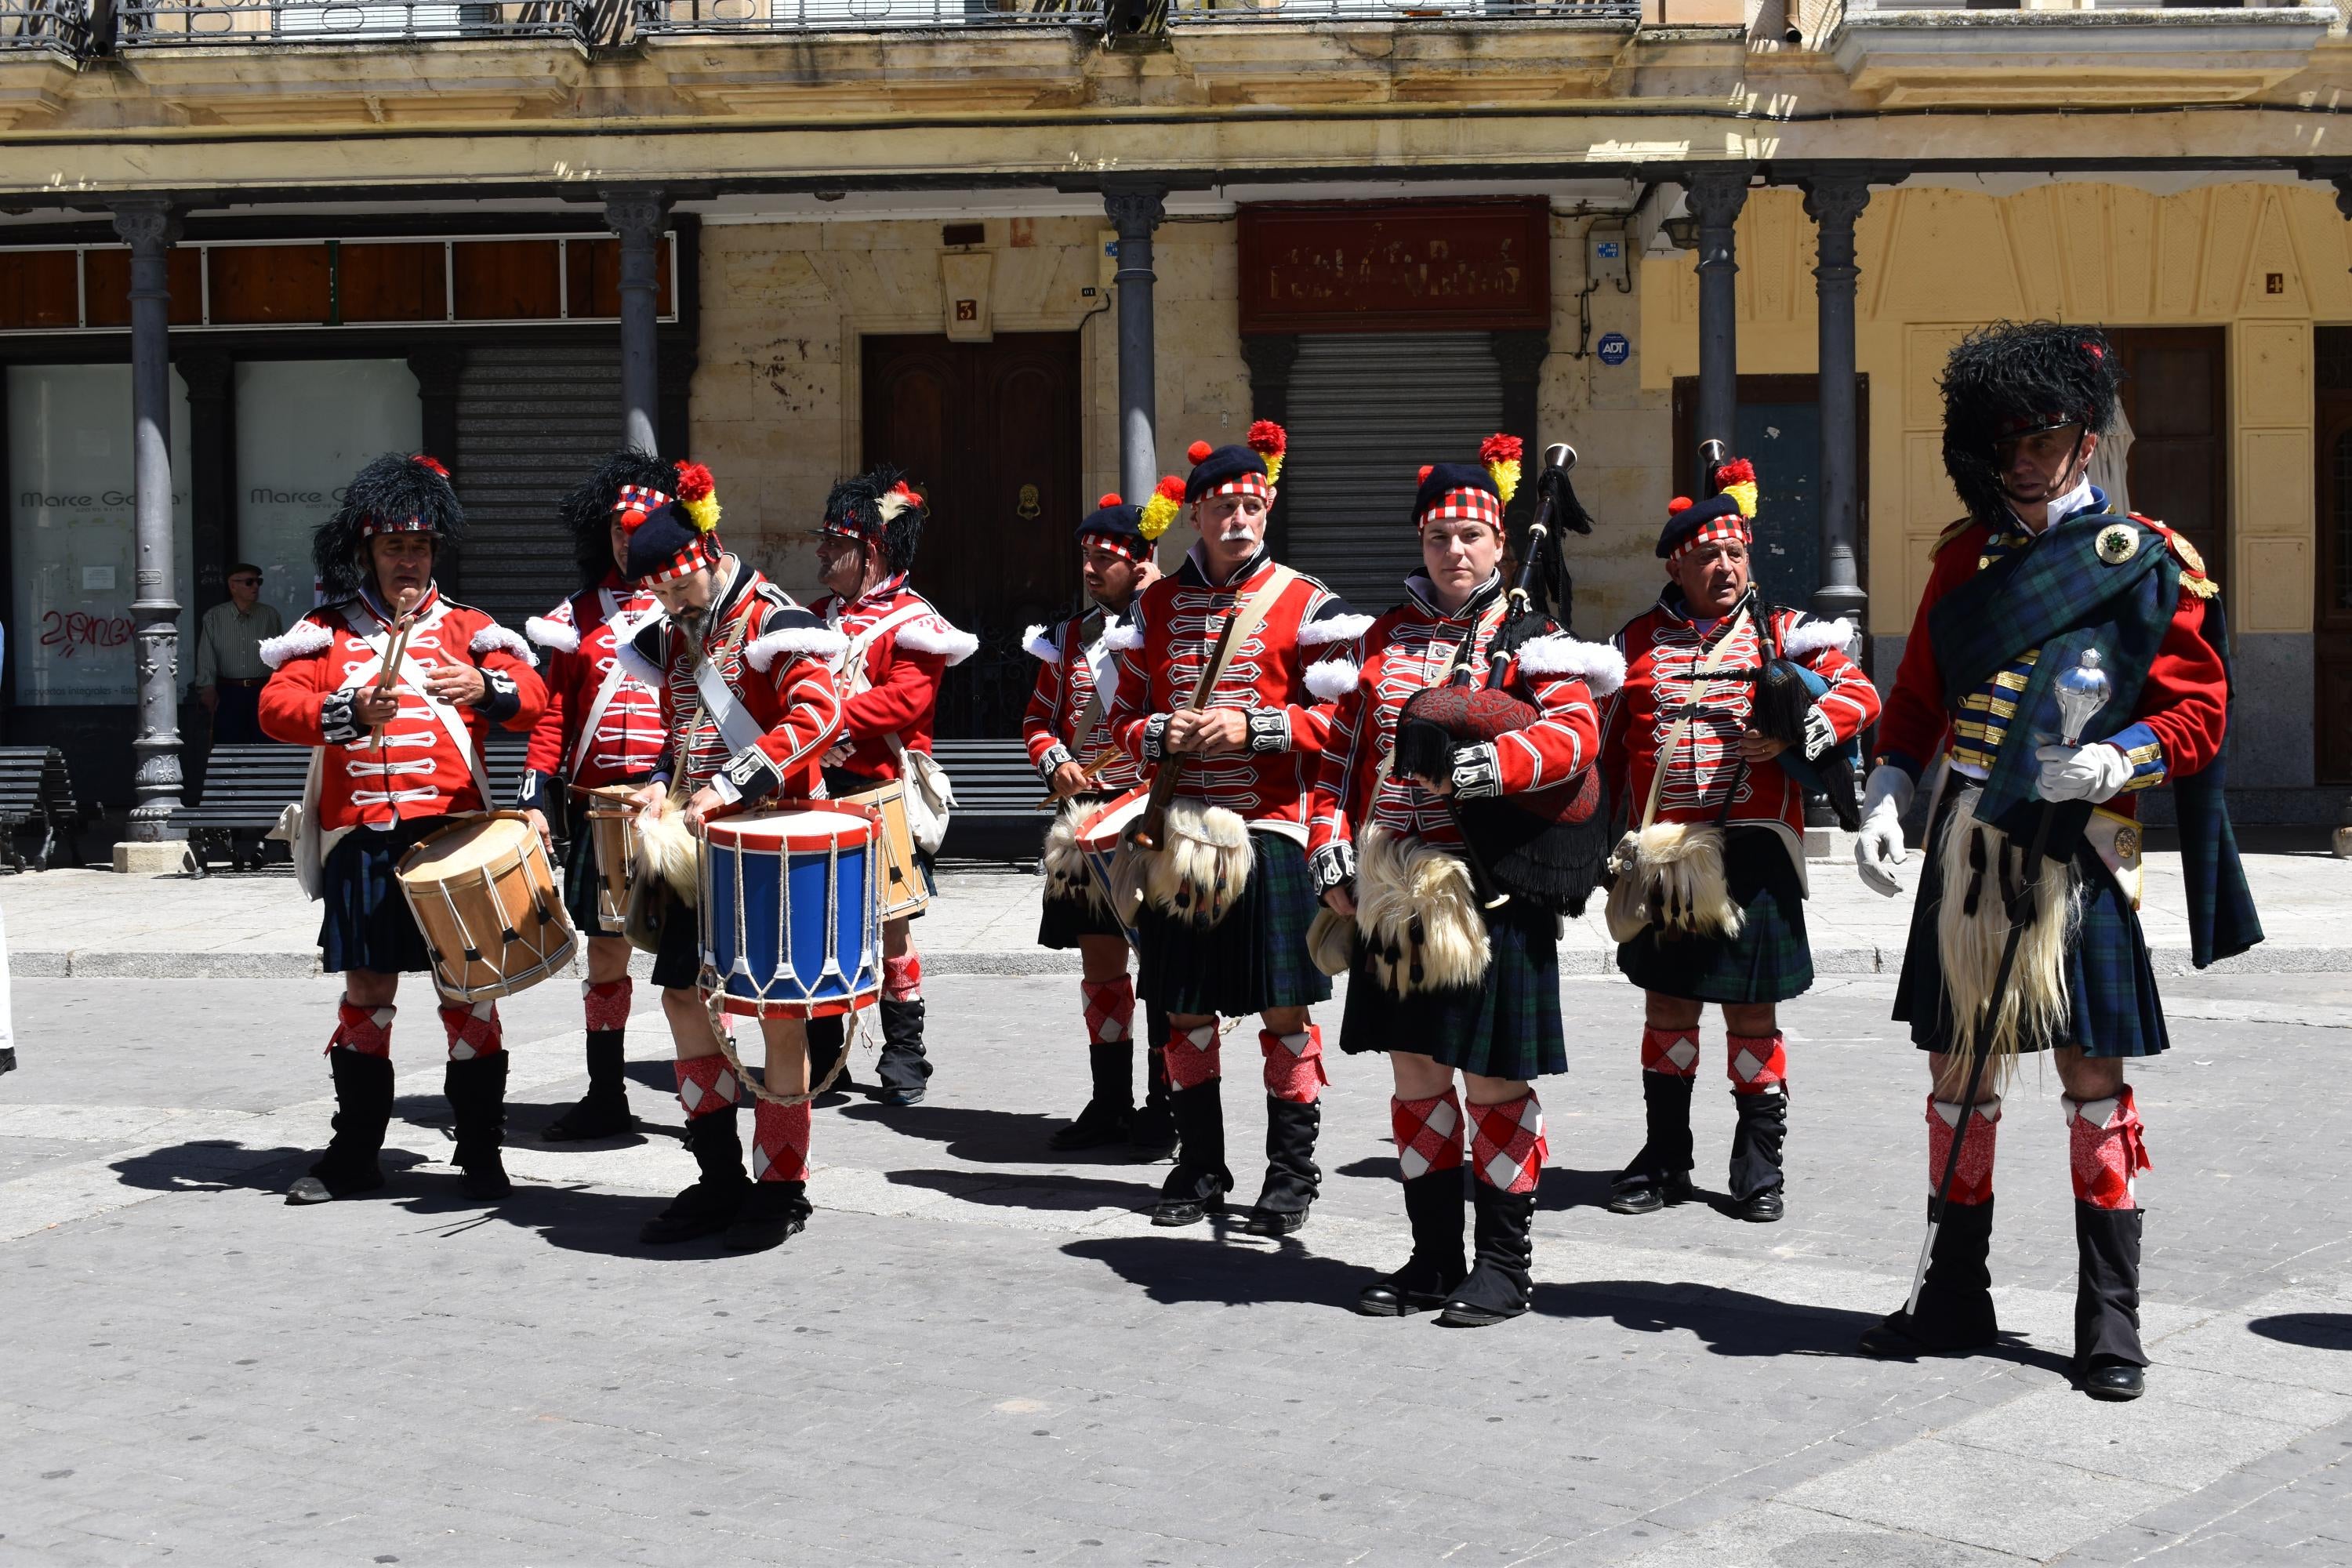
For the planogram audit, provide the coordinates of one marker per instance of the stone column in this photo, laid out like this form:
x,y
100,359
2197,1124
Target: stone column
x,y
149,225
1135,211
1833,202
1715,197
638,214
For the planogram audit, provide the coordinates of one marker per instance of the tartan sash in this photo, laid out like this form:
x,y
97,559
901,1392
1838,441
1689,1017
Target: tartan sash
x,y
2059,596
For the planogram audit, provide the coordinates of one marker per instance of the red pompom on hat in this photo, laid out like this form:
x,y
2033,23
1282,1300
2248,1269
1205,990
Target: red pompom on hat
x,y
1680,504
1197,452
1110,498
1426,469
430,462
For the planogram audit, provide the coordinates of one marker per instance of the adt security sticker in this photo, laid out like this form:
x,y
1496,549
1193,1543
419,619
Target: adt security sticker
x,y
1615,348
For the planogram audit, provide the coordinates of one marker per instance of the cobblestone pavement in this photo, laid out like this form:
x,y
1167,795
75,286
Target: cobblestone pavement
x,y
979,1352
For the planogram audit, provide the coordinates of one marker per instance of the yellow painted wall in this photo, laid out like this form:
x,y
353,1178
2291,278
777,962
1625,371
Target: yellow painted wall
x,y
1936,262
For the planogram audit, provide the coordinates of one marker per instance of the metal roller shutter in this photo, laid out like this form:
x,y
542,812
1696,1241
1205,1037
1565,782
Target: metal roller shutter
x,y
1366,411
533,419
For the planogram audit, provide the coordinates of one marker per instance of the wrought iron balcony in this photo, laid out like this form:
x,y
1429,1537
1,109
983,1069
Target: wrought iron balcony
x,y
60,25
181,23
852,15
1220,13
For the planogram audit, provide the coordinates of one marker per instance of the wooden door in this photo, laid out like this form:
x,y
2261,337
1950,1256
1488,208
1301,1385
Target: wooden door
x,y
989,434
2175,396
2332,624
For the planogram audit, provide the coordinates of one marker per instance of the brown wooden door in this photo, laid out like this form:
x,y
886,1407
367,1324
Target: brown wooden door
x,y
2332,625
989,434
2176,397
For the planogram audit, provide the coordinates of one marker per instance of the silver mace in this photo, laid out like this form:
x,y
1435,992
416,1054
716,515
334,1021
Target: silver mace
x,y
2081,692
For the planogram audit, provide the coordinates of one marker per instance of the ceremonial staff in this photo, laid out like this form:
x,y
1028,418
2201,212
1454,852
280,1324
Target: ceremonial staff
x,y
2081,692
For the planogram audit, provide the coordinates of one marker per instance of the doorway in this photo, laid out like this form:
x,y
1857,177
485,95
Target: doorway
x,y
2331,625
1779,429
991,434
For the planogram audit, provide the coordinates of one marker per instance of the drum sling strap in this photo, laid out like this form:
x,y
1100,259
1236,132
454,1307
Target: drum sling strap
x,y
624,631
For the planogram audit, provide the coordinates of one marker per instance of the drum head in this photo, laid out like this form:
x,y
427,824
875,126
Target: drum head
x,y
469,846
813,826
1100,831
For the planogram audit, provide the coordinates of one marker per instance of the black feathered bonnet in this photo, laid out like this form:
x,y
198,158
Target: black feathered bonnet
x,y
2013,379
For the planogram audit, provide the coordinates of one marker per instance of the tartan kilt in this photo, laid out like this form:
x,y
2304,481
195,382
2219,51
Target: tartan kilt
x,y
1508,1026
1254,959
1066,919
1770,959
2113,1008
580,882
366,923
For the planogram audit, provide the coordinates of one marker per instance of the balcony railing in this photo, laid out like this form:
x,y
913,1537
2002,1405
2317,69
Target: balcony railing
x,y
1206,12
850,15
155,23
57,25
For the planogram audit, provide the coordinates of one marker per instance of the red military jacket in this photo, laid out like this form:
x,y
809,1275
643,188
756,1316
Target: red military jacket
x,y
2179,721
1663,651
1412,647
631,733
415,768
1169,642
902,669
1072,666
769,653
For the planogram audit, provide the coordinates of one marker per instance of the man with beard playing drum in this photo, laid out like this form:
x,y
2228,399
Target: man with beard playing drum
x,y
1222,899
393,761
1451,974
602,729
749,707
2063,658
1070,745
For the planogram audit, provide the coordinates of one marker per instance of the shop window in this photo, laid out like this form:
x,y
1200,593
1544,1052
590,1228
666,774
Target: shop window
x,y
72,533
303,428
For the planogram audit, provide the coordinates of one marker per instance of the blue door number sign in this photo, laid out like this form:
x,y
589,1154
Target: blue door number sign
x,y
1615,348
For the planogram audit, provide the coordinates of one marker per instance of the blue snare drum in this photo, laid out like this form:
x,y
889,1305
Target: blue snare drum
x,y
790,911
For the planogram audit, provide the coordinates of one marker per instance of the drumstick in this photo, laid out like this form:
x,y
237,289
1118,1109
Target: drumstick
x,y
386,678
1093,769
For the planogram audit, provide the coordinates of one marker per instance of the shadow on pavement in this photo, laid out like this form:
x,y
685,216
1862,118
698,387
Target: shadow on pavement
x,y
1563,1188
986,1137
1192,1268
1048,1194
2320,1330
220,1165
1740,1323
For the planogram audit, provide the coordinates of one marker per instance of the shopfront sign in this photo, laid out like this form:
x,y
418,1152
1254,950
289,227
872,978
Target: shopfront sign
x,y
303,428
1347,267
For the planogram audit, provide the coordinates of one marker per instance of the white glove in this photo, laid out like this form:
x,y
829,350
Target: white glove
x,y
2093,773
1820,735
1878,848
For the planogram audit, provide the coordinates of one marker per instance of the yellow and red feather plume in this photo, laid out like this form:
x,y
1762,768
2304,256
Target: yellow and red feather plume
x,y
697,496
1736,478
1501,454
1167,500
1271,442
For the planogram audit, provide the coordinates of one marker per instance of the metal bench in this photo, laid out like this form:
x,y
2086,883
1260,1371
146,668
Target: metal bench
x,y
36,793
249,787
996,814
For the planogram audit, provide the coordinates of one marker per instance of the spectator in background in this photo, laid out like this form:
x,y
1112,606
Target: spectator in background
x,y
229,671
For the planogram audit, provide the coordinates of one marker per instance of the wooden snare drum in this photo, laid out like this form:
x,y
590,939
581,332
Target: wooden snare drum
x,y
904,891
485,895
611,828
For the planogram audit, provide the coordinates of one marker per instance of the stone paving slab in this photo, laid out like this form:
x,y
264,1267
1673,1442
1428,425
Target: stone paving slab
x,y
256,925
980,1352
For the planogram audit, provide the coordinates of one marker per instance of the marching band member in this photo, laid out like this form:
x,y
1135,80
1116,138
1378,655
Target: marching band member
x,y
888,678
1226,899
600,728
2036,578
1708,904
392,766
748,707
1438,983
1071,746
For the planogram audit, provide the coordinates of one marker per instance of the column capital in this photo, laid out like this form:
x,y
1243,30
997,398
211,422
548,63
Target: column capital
x,y
636,211
2342,180
1718,193
146,224
206,372
1519,355
1835,201
1136,208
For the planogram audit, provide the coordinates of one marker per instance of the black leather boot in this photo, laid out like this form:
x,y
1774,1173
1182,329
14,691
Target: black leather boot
x,y
1956,1301
362,1111
604,1111
1433,1202
476,1088
828,1042
1756,1179
1500,1286
2108,1362
1197,1186
1108,1113
1660,1173
1152,1127
711,1204
1292,1178
773,1213
904,1069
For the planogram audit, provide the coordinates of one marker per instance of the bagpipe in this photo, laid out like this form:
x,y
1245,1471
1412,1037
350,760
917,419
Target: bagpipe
x,y
1549,847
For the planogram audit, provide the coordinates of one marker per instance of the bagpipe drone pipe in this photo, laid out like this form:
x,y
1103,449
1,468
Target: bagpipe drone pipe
x,y
1785,691
1551,847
